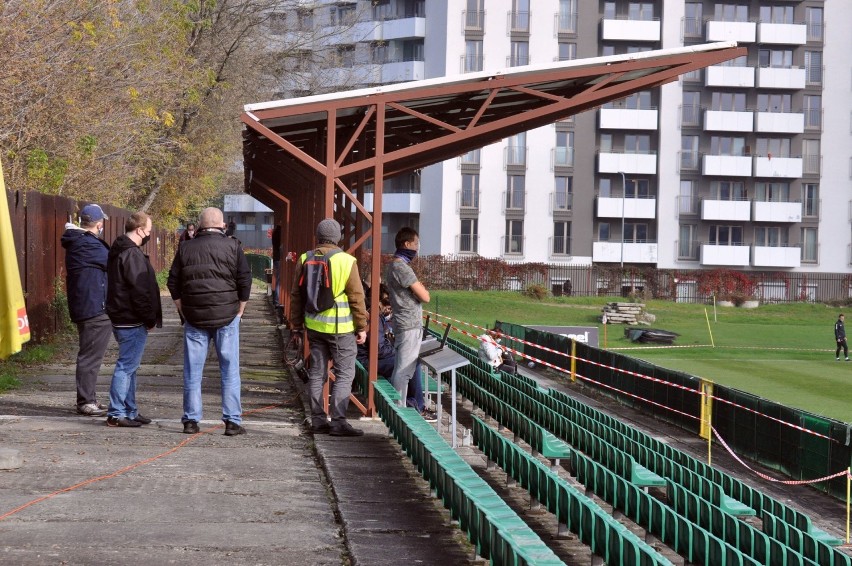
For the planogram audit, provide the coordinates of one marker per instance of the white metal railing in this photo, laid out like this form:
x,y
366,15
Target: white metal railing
x,y
473,20
515,156
513,245
467,243
559,245
561,202
562,156
519,22
566,22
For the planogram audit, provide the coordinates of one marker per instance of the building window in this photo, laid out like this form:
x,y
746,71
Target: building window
x,y
641,11
814,21
563,154
379,52
773,147
738,62
634,143
687,199
691,110
770,236
813,68
470,158
346,56
812,107
609,10
563,193
635,232
689,153
514,237
474,16
775,58
567,17
728,101
728,190
693,23
520,53
561,238
776,14
472,56
687,247
774,103
811,159
520,16
469,192
469,237
730,13
810,198
413,50
727,145
726,235
772,192
305,19
809,245
342,15
605,188
567,51
603,232
516,152
637,188
515,192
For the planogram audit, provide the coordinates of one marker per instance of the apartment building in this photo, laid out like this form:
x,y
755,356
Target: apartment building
x,y
745,165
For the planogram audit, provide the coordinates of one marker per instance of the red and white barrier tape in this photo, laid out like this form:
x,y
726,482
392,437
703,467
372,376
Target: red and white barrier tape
x,y
624,371
770,478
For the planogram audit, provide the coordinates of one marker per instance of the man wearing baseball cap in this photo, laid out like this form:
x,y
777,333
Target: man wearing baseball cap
x,y
86,286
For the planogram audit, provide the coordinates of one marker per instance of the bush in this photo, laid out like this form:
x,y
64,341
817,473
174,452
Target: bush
x,y
536,291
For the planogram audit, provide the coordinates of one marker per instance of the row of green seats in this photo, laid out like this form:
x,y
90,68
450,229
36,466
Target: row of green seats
x,y
495,530
803,542
594,527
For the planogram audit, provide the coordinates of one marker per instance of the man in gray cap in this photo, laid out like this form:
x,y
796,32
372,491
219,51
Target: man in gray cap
x,y
86,288
333,333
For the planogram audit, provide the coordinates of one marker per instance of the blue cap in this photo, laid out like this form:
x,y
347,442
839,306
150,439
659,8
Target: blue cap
x,y
92,213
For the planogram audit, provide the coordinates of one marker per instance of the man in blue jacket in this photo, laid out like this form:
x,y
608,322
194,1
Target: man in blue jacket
x,y
86,286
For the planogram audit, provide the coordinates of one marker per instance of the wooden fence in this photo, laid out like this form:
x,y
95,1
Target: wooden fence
x,y
38,222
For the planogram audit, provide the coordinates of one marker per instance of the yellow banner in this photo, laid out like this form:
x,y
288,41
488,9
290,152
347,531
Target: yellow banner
x,y
14,324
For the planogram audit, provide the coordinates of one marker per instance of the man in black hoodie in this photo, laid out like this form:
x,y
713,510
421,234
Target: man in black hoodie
x,y
133,306
86,288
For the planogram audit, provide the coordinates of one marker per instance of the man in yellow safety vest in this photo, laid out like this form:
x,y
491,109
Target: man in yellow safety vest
x,y
333,333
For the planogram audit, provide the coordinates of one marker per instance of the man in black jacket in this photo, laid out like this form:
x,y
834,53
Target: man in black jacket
x,y
133,306
840,337
210,283
86,288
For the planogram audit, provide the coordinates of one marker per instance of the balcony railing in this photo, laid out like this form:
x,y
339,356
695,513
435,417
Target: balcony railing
x,y
471,63
692,27
566,22
513,245
690,160
687,250
514,201
467,243
561,202
473,20
517,60
563,156
812,164
687,204
468,201
690,115
559,245
519,22
515,156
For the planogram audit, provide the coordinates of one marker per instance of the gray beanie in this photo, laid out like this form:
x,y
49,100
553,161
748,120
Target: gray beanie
x,y
329,230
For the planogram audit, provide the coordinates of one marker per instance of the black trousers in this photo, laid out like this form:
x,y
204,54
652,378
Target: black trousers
x,y
842,344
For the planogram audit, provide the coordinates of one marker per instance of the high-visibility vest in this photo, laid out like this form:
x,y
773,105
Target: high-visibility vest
x,y
337,319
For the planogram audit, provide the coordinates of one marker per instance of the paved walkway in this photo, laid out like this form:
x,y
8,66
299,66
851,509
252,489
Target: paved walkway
x,y
152,495
89,494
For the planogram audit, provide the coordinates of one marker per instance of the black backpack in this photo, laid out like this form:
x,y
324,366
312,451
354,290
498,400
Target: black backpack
x,y
315,283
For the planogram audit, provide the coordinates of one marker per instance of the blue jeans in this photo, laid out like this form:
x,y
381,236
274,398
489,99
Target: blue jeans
x,y
122,389
195,343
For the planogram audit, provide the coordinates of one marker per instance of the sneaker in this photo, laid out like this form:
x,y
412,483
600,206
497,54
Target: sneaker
x,y
190,427
323,428
847,358
233,429
122,422
837,358
142,420
429,416
100,406
91,410
345,429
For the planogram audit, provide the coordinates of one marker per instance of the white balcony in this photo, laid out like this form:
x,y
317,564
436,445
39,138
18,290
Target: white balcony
x,y
778,77
726,210
782,34
631,30
727,121
779,122
610,252
638,163
788,167
403,28
403,71
728,165
628,119
712,254
766,256
741,32
736,77
395,202
777,211
610,207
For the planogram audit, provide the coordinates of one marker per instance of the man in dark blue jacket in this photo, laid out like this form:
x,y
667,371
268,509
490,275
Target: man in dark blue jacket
x,y
86,286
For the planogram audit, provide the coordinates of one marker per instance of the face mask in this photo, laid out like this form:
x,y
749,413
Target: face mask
x,y
145,240
406,254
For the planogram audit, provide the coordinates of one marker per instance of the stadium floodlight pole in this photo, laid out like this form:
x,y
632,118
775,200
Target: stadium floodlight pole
x,y
623,194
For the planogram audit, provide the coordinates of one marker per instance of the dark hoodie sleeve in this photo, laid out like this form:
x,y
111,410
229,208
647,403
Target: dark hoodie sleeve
x,y
243,276
174,283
